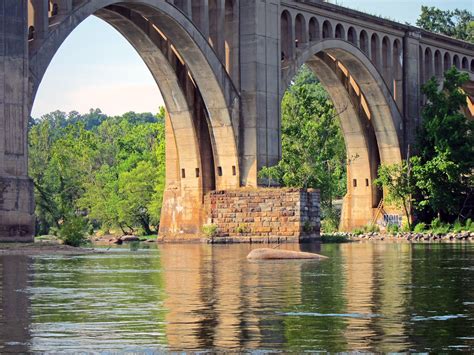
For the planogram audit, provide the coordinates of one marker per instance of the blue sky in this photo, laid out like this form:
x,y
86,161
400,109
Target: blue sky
x,y
97,68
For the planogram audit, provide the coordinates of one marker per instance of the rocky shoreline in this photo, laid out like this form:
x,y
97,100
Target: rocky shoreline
x,y
409,237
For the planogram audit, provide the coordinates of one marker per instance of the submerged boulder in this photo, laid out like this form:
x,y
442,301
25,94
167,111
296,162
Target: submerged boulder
x,y
276,254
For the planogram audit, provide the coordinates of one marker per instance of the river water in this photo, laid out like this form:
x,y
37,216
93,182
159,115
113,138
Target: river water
x,y
367,297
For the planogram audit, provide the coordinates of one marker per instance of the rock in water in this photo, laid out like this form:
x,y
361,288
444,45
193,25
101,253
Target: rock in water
x,y
130,238
275,254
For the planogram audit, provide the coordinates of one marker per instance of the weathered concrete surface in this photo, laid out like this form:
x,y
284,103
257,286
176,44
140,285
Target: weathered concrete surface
x,y
277,254
223,67
17,219
16,189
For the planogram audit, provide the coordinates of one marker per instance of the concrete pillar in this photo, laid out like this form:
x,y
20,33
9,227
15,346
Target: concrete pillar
x,y
16,189
40,17
188,8
260,84
411,86
217,27
65,6
232,40
172,160
387,63
200,15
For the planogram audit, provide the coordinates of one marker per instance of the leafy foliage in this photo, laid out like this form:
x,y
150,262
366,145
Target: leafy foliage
x,y
420,227
330,218
313,149
111,169
458,23
398,186
444,165
73,231
210,230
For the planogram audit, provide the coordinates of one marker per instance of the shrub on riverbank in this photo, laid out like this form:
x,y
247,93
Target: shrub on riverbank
x,y
210,230
335,238
73,231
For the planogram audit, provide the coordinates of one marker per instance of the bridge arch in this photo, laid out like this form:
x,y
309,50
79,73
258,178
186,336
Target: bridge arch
x,y
352,35
286,35
457,62
327,29
201,101
375,49
465,63
220,97
340,32
313,29
370,119
300,30
364,42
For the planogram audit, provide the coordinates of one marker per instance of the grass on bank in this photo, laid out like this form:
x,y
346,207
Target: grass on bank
x,y
436,227
334,238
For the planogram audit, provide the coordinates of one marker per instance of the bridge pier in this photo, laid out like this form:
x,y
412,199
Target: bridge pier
x,y
16,189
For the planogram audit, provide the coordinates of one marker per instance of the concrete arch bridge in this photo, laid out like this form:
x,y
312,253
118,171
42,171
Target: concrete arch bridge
x,y
223,67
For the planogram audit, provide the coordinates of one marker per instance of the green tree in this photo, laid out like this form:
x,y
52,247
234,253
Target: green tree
x,y
443,168
458,23
109,169
399,187
313,149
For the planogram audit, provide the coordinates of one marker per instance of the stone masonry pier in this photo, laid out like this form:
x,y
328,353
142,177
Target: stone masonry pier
x,y
263,212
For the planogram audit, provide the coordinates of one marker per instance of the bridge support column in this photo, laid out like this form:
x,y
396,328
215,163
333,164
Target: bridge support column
x,y
182,212
65,7
200,15
411,87
260,85
217,27
40,17
16,189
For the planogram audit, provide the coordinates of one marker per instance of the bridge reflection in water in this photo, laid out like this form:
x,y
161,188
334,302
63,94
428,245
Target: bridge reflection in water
x,y
374,297
14,304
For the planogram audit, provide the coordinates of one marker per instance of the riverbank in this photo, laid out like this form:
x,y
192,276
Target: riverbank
x,y
43,248
409,237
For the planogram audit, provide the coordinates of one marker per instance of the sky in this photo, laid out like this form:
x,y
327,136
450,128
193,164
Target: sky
x,y
97,68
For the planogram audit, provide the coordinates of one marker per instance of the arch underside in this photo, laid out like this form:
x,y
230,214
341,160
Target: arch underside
x,y
369,117
201,102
